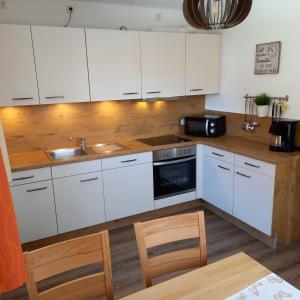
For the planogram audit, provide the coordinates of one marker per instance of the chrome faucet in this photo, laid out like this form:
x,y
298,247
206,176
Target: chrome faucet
x,y
81,141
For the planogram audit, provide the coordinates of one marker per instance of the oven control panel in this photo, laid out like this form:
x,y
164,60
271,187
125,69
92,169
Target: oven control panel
x,y
174,153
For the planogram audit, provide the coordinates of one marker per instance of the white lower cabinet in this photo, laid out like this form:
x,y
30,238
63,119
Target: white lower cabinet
x,y
218,183
200,171
79,201
35,210
128,190
253,199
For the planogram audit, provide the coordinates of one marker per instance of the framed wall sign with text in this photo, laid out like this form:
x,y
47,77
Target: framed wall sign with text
x,y
267,58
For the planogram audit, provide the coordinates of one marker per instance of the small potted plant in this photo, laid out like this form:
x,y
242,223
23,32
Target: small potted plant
x,y
262,102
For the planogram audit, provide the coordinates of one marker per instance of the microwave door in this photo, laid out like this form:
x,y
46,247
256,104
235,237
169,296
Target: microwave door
x,y
198,127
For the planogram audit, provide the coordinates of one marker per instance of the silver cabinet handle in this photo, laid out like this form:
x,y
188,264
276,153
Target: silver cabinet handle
x,y
251,165
21,99
221,167
133,93
38,189
241,174
196,90
154,92
128,161
90,179
23,178
55,97
172,162
217,154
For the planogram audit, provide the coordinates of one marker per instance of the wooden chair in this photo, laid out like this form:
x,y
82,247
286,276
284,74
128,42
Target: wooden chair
x,y
68,255
166,230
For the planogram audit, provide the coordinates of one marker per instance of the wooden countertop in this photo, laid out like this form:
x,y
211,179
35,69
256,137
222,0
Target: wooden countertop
x,y
39,159
215,281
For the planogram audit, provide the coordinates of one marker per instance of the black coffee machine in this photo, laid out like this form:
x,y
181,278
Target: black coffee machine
x,y
283,135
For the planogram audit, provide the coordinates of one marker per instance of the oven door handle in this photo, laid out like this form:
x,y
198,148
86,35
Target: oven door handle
x,y
172,162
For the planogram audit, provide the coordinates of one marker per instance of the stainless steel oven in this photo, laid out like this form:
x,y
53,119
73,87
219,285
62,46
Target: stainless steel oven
x,y
174,171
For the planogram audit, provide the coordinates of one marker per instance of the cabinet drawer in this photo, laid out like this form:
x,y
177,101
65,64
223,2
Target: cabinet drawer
x,y
255,165
28,176
219,154
76,168
126,160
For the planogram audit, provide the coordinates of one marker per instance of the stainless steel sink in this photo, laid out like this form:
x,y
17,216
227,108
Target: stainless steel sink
x,y
66,153
107,148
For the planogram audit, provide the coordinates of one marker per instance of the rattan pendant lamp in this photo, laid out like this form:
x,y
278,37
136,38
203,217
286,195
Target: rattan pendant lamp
x,y
216,14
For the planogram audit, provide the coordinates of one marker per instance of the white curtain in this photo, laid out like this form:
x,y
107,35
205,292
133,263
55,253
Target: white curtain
x,y
4,153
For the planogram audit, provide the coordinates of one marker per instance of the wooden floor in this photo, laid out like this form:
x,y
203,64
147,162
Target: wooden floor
x,y
223,239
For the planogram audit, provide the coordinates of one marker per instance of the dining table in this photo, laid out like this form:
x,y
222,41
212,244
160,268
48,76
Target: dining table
x,y
218,280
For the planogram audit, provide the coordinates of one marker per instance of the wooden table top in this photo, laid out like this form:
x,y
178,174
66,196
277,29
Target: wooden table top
x,y
212,282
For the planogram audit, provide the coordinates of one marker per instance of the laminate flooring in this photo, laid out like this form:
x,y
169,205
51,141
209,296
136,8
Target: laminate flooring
x,y
223,239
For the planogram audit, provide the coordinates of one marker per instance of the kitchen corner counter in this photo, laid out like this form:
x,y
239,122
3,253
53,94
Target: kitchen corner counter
x,y
247,148
260,151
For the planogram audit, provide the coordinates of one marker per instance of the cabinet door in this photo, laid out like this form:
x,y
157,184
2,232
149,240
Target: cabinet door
x,y
218,185
200,171
163,64
35,210
253,199
61,64
128,191
79,201
114,64
202,64
18,84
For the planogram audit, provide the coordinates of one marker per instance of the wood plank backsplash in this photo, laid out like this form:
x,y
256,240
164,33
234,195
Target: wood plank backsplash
x,y
42,127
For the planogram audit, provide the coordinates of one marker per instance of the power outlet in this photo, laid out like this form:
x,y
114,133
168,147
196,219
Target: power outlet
x,y
3,4
69,8
182,122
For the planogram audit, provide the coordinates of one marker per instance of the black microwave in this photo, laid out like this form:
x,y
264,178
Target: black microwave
x,y
206,125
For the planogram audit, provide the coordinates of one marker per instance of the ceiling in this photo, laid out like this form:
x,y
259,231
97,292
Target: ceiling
x,y
171,4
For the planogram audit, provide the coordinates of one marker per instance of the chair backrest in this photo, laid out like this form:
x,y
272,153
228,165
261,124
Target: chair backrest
x,y
166,230
68,255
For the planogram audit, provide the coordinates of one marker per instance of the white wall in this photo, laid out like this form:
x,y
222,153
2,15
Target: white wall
x,y
88,14
269,20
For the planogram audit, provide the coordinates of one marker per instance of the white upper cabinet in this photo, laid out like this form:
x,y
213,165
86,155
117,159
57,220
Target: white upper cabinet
x,y
18,84
114,64
202,64
61,64
163,64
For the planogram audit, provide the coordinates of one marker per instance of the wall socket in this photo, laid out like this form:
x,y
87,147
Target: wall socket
x,y
68,7
182,122
3,4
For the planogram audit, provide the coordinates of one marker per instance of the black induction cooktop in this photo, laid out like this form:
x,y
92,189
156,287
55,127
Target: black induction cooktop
x,y
163,140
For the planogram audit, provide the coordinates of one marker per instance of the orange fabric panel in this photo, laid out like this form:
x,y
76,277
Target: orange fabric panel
x,y
12,269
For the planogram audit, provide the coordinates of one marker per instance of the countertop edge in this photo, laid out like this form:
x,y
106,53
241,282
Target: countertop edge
x,y
236,145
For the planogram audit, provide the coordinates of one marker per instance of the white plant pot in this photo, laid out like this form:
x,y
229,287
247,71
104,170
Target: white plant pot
x,y
262,110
